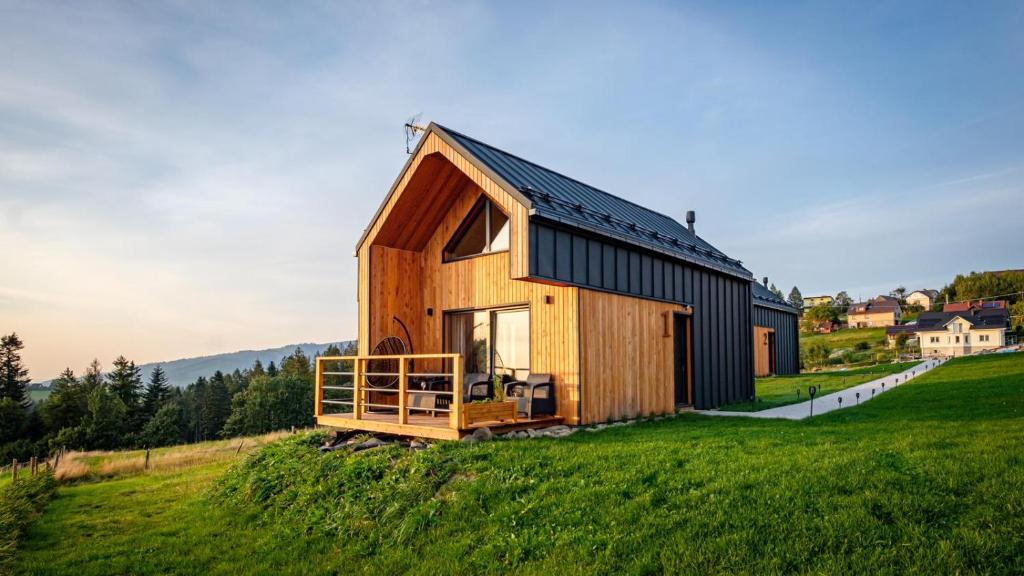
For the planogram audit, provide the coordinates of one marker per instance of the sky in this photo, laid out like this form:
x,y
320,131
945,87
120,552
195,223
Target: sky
x,y
186,178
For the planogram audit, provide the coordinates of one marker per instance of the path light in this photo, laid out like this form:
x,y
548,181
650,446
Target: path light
x,y
858,397
812,391
797,393
872,392
883,386
840,401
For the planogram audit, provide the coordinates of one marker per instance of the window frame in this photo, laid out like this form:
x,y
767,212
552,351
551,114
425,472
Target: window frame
x,y
485,204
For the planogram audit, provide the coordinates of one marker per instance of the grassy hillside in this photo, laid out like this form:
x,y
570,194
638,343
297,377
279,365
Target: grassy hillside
x,y
925,479
863,345
777,391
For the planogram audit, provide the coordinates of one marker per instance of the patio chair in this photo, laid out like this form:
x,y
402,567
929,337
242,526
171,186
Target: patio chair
x,y
535,396
477,386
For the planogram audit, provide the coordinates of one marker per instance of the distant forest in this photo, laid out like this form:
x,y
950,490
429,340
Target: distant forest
x,y
118,409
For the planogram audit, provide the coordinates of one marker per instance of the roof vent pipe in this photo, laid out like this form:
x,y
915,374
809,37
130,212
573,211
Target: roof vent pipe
x,y
765,281
691,217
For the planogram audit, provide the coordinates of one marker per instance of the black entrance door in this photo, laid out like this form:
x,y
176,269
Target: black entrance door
x,y
681,335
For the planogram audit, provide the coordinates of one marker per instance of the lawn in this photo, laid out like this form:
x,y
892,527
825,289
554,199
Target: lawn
x,y
777,391
847,338
928,478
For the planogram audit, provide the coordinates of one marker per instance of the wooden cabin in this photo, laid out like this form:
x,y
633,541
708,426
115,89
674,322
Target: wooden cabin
x,y
776,334
481,262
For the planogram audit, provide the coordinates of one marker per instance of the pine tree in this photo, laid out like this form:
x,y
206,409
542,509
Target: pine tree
x,y
777,292
158,391
271,369
93,377
14,378
257,369
125,380
67,404
796,300
214,406
297,365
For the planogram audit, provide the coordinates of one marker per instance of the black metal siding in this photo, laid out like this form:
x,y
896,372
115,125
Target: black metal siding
x,y
787,337
722,330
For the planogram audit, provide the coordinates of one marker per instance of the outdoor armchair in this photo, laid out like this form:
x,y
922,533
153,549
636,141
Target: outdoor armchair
x,y
535,396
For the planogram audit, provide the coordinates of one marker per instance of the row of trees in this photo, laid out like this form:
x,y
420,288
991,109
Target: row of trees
x,y
118,409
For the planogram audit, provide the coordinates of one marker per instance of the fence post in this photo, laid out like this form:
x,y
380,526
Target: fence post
x,y
318,408
403,415
239,449
14,471
457,376
146,465
357,371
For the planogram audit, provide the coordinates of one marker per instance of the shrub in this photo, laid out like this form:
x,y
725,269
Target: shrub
x,y
20,503
862,346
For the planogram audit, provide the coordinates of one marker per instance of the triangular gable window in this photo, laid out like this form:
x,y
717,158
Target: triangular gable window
x,y
484,231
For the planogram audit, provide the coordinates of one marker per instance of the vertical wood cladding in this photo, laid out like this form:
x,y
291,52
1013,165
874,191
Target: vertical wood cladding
x,y
787,337
722,327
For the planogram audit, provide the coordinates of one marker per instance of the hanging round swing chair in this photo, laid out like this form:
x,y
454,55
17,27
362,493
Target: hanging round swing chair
x,y
382,373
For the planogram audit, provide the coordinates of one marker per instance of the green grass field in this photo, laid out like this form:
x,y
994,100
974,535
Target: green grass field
x,y
38,395
778,391
928,478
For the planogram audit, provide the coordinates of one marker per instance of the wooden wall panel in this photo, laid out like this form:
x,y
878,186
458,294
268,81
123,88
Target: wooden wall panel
x,y
626,358
486,282
762,352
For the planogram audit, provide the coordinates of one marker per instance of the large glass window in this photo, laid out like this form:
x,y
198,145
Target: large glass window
x,y
484,230
512,343
469,334
491,341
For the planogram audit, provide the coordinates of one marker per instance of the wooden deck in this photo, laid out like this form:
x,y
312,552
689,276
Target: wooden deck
x,y
425,425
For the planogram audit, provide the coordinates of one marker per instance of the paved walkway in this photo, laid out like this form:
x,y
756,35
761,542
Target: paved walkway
x,y
830,402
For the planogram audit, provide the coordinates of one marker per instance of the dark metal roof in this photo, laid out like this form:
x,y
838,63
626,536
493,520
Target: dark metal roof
x,y
996,318
559,198
765,297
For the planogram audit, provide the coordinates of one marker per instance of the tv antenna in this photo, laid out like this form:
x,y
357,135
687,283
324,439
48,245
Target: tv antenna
x,y
412,128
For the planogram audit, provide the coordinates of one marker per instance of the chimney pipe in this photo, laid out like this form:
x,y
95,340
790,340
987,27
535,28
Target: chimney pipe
x,y
691,217
765,281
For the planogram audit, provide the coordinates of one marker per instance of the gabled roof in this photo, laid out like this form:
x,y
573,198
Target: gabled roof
x,y
990,318
879,305
765,297
558,198
926,291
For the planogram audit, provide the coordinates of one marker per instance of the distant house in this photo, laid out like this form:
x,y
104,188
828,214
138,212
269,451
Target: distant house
x,y
812,301
923,298
962,332
826,327
880,312
893,332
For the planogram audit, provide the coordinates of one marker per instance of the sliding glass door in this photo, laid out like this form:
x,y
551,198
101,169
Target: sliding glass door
x,y
492,341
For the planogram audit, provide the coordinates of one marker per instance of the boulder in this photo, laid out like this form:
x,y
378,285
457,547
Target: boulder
x,y
368,444
483,434
470,439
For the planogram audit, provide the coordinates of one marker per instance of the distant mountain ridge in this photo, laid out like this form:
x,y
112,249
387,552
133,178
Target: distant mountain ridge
x,y
185,371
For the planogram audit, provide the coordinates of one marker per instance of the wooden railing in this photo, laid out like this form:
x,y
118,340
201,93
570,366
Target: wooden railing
x,y
344,386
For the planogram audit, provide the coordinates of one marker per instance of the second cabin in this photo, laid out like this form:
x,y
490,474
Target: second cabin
x,y
520,274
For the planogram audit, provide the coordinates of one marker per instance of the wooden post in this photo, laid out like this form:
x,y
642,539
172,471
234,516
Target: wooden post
x,y
403,415
14,471
357,370
456,406
318,406
146,465
239,449
32,467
